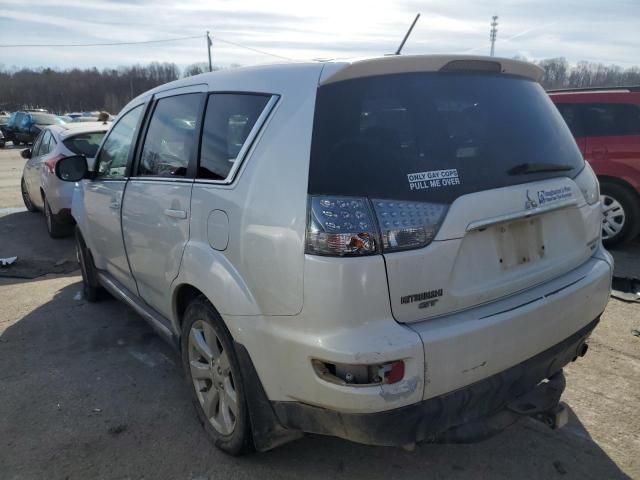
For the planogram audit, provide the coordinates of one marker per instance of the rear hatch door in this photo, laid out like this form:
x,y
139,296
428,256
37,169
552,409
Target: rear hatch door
x,y
487,150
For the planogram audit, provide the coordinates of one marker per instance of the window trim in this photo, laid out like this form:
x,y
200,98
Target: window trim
x,y
136,135
249,141
144,130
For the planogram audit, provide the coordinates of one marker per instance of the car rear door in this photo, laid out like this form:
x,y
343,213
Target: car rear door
x,y
613,143
156,208
103,199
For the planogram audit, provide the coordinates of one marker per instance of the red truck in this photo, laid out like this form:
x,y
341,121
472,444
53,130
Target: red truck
x,y
606,125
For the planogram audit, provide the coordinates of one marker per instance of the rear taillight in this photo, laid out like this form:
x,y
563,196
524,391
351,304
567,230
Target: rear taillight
x,y
348,226
588,184
340,226
407,225
51,163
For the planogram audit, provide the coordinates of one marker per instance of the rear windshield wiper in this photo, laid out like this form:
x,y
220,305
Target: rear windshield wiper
x,y
526,168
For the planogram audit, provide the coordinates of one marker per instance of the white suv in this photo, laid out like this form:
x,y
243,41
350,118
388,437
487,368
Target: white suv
x,y
390,250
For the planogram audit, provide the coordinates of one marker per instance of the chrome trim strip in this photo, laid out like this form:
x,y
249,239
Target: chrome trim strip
x,y
140,309
248,143
534,212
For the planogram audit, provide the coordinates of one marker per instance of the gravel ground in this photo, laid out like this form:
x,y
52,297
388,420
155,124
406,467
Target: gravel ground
x,y
89,391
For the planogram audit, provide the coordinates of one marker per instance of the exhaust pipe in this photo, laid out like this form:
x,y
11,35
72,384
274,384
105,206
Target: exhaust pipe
x,y
581,351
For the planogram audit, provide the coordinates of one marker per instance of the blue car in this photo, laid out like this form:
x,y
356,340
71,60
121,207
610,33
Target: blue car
x,y
32,123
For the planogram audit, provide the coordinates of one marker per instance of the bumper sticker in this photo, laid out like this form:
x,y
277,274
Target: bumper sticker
x,y
433,179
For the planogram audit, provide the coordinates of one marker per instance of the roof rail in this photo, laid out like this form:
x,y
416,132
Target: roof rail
x,y
630,88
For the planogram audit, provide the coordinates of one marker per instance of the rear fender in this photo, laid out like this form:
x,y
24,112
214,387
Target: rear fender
x,y
211,272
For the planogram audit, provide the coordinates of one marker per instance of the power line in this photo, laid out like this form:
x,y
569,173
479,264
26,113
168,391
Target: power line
x,y
100,44
254,49
165,40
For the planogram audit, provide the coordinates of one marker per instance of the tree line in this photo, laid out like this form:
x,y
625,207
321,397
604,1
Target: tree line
x,y
110,89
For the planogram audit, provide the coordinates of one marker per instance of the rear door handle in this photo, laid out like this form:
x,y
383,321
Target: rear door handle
x,y
115,205
181,214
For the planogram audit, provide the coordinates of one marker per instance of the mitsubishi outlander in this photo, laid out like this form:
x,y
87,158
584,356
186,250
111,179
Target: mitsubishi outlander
x,y
390,250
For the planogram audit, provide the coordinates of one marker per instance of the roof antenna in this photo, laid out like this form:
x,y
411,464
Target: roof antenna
x,y
404,40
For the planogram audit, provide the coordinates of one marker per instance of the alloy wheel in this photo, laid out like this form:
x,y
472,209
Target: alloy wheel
x,y
212,377
613,217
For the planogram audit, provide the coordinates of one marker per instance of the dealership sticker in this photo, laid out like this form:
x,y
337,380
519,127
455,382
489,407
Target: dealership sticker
x,y
433,179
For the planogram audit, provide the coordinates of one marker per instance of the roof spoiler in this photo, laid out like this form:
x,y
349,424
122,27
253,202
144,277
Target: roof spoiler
x,y
427,63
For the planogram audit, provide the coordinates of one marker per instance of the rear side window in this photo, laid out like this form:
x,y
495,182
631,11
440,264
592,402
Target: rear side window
x,y
84,144
229,119
171,138
435,136
612,119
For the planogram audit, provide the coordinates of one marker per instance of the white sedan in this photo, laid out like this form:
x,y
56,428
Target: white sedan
x,y
41,189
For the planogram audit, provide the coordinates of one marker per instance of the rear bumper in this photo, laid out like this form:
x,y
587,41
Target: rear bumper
x,y
469,413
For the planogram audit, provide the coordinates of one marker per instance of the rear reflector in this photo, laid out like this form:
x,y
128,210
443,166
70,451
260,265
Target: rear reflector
x,y
360,375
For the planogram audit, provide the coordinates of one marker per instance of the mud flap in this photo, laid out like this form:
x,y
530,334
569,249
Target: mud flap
x,y
267,431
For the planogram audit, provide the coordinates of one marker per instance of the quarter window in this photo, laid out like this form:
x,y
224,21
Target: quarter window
x,y
171,138
613,119
228,120
113,157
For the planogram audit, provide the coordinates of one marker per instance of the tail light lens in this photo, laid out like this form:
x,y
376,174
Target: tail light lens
x,y
407,225
588,184
349,226
340,226
51,163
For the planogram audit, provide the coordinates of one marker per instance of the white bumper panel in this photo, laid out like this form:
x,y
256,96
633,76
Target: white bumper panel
x,y
469,346
346,318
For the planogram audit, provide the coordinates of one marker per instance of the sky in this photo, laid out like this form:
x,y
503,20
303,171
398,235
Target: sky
x,y
592,30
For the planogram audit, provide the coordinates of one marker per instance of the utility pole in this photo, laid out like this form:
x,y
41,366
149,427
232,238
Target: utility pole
x,y
493,34
209,50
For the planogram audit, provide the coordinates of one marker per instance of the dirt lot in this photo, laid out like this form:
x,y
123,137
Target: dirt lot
x,y
89,391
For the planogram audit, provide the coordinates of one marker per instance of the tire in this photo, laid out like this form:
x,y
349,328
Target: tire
x,y
90,285
55,227
213,373
621,211
26,198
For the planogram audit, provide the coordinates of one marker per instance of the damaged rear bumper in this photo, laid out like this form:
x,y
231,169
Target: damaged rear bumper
x,y
531,388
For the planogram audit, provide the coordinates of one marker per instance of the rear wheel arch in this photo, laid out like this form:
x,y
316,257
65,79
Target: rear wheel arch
x,y
619,181
183,295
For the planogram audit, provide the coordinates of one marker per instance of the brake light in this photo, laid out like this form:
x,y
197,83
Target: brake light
x,y
407,225
340,226
353,226
51,163
588,184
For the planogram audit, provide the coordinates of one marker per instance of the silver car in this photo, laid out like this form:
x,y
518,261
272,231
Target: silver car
x,y
41,189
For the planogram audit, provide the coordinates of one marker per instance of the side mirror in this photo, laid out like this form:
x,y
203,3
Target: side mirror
x,y
72,169
26,153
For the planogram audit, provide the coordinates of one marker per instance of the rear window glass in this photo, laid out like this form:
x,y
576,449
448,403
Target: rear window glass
x,y
44,119
85,144
435,136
